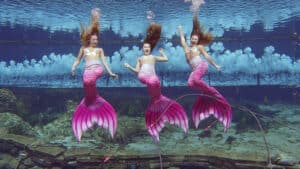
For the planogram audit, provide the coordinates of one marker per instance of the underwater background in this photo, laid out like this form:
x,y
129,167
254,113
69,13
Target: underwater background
x,y
256,42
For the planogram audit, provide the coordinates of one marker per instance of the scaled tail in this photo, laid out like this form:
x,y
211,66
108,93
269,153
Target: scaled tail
x,y
163,111
99,112
206,106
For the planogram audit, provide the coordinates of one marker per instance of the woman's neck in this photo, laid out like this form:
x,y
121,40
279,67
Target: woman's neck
x,y
91,46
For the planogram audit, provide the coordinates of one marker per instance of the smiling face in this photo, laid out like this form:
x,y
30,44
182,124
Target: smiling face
x,y
194,40
146,49
94,41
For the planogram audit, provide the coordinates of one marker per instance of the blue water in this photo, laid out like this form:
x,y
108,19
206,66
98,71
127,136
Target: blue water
x,y
39,40
256,42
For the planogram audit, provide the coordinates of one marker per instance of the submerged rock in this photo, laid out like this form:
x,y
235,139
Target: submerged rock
x,y
58,128
61,126
14,124
11,103
7,101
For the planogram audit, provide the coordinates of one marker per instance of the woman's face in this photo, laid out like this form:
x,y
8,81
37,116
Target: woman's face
x,y
94,41
194,40
146,49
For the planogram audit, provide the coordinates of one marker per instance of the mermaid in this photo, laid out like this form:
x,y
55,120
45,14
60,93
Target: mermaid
x,y
92,108
161,110
211,102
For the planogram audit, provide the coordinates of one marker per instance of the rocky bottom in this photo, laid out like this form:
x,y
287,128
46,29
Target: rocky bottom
x,y
53,145
23,152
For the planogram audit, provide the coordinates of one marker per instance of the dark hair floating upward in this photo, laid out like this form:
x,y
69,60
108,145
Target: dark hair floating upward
x,y
203,38
153,34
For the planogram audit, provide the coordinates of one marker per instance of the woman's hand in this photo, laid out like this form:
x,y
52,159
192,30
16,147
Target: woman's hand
x,y
179,27
115,76
136,69
161,50
73,72
218,67
126,65
95,14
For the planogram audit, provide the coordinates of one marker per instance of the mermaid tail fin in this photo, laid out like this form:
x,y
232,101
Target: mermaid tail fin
x,y
206,106
100,112
162,111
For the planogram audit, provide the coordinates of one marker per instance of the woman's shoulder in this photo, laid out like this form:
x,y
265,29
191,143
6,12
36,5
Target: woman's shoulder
x,y
200,46
99,49
83,48
140,58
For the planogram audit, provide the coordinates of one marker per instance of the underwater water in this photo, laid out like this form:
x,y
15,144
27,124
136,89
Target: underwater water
x,y
257,43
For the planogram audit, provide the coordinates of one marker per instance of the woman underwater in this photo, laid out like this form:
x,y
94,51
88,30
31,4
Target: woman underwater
x,y
160,109
92,108
211,102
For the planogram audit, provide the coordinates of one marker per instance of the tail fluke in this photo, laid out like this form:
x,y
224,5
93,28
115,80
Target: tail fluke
x,y
99,112
206,106
163,111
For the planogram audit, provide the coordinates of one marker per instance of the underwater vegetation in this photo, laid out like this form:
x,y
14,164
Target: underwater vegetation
x,y
26,143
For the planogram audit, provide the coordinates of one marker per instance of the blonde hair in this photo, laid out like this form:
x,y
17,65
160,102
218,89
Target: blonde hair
x,y
94,28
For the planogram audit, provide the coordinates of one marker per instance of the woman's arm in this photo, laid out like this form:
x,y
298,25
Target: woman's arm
x,y
183,44
137,66
182,39
77,61
103,59
163,57
208,57
95,15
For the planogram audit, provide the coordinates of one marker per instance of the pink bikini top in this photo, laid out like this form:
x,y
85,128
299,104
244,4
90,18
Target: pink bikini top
x,y
87,52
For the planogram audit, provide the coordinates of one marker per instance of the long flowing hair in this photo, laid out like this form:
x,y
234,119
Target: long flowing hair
x,y
153,34
94,28
203,38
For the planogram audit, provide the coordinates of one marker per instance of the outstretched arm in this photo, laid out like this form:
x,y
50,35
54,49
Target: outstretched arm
x,y
208,57
163,57
137,67
103,59
77,61
182,39
95,15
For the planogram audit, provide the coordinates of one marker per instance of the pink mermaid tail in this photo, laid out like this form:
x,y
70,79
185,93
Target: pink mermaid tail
x,y
93,108
161,110
213,103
